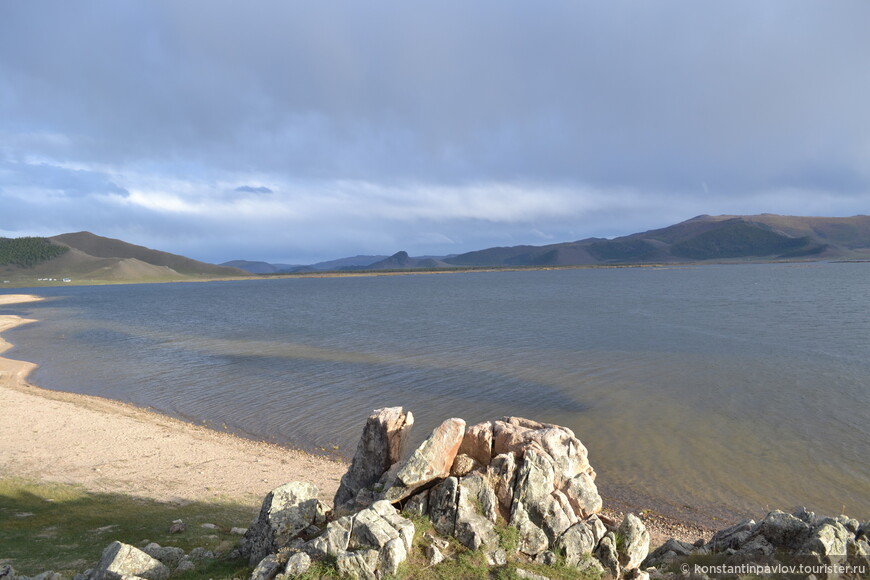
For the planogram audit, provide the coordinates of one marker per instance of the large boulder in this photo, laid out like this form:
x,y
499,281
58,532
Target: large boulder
x,y
286,512
120,561
370,544
634,546
783,530
732,537
577,543
431,461
379,448
583,495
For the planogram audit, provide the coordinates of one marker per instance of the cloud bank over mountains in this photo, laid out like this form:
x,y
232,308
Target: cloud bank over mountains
x,y
296,132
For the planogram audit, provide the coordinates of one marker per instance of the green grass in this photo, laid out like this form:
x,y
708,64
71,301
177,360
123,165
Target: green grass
x,y
64,528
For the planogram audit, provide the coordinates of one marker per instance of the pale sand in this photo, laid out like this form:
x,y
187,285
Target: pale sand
x,y
107,446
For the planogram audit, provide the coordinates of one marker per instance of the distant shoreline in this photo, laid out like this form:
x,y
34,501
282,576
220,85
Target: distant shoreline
x,y
18,284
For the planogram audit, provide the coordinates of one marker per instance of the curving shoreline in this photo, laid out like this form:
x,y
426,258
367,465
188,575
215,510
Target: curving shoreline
x,y
110,446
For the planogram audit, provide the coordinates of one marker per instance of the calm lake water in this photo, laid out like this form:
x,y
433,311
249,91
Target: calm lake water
x,y
744,386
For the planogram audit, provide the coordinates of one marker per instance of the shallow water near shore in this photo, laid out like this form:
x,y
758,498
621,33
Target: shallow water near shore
x,y
718,389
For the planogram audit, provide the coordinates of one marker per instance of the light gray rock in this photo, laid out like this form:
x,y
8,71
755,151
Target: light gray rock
x,y
858,553
370,530
496,557
443,500
502,470
185,565
334,540
526,575
756,550
475,531
577,543
598,527
418,504
268,568
391,556
7,572
403,526
433,555
476,493
200,554
590,568
359,565
297,564
583,495
285,513
177,527
667,552
477,442
807,517
635,542
431,461
783,530
732,537
120,560
606,554
238,531
532,539
547,558
379,447
827,544
168,555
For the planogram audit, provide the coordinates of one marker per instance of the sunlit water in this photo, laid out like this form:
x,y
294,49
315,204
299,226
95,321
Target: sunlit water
x,y
741,386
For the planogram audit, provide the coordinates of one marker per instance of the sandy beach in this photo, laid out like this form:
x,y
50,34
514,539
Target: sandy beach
x,y
108,446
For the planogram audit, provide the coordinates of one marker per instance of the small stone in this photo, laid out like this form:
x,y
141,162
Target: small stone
x,y
526,575
497,557
238,531
297,564
185,565
200,554
177,527
209,526
433,555
463,465
547,558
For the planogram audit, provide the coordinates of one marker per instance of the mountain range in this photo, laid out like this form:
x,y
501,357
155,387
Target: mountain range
x,y
702,238
725,238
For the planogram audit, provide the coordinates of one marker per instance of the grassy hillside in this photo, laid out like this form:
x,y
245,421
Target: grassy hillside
x,y
101,247
28,252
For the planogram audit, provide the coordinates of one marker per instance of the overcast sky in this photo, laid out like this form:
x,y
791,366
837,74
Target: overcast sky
x,y
296,132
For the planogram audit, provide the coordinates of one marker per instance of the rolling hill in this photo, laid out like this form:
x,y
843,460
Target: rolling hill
x,y
703,238
85,256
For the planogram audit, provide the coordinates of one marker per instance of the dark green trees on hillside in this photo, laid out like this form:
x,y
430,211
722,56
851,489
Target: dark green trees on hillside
x,y
28,252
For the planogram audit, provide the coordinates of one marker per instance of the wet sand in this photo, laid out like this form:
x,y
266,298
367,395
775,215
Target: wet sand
x,y
109,446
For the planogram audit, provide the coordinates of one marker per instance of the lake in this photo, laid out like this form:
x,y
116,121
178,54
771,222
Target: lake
x,y
715,388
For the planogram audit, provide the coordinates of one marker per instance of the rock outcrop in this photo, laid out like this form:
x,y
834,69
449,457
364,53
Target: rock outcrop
x,y
288,512
798,539
379,448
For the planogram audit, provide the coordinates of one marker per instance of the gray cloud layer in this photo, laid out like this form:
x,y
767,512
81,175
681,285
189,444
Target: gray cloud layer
x,y
311,130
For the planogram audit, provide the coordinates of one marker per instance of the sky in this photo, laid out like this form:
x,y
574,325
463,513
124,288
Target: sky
x,y
296,132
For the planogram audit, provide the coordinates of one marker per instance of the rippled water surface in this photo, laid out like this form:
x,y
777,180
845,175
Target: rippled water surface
x,y
744,386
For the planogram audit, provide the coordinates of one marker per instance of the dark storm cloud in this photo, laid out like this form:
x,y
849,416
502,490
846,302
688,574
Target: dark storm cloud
x,y
593,118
